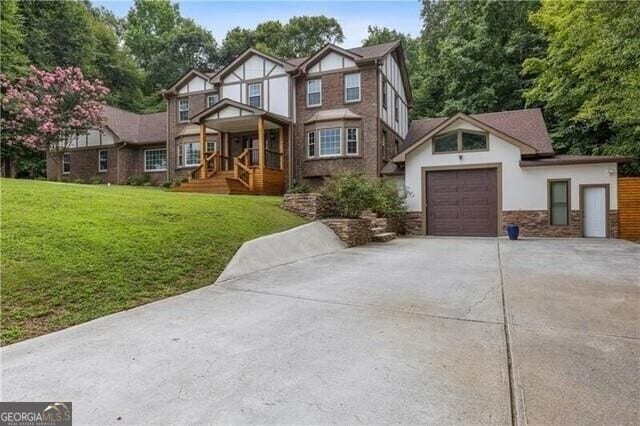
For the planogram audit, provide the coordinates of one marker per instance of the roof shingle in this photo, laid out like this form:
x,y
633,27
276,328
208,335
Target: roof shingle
x,y
525,125
136,128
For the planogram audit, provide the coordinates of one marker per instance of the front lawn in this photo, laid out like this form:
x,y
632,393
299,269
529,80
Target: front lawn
x,y
71,253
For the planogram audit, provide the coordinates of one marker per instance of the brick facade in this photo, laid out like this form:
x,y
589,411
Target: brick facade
x,y
333,98
122,163
354,232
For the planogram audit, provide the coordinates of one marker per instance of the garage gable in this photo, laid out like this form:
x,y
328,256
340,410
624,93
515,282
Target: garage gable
x,y
463,121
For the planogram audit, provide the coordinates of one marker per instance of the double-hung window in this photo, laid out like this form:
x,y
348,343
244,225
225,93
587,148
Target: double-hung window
x,y
330,142
254,95
66,163
396,108
559,202
183,110
311,144
384,94
352,87
212,100
155,160
191,154
103,158
352,141
314,92
180,151
212,146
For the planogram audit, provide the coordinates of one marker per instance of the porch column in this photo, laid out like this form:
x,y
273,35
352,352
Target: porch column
x,y
203,147
225,149
281,147
261,142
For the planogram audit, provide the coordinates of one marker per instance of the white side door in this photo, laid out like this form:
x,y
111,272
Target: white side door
x,y
594,216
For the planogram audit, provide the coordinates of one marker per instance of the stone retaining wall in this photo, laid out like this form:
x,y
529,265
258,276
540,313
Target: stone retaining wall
x,y
310,206
353,232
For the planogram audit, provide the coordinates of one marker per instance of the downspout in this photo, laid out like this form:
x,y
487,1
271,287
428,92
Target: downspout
x,y
167,142
124,144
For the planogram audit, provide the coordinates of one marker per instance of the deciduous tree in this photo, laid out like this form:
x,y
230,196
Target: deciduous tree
x,y
43,110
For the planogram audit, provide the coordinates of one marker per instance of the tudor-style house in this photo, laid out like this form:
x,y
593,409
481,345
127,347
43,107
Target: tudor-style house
x,y
261,123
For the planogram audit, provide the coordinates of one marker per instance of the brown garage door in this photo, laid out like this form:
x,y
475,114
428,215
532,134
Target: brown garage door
x,y
462,202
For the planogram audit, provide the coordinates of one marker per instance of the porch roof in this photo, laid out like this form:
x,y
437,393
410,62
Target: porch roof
x,y
231,116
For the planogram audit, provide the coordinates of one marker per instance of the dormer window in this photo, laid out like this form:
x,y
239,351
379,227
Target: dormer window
x,y
254,95
183,110
314,92
352,87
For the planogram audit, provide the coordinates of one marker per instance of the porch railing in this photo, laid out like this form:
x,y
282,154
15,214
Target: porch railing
x,y
212,162
242,169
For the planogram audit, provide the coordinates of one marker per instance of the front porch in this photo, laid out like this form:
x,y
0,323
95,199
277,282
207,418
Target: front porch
x,y
249,157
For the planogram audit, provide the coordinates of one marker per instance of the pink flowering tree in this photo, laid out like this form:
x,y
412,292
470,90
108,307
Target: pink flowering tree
x,y
45,109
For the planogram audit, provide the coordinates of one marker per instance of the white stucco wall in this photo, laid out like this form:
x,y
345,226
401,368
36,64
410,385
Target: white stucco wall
x,y
523,188
390,69
276,84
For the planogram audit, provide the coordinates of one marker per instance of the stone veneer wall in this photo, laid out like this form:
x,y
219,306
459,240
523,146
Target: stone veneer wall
x,y
412,223
310,206
532,223
353,232
535,223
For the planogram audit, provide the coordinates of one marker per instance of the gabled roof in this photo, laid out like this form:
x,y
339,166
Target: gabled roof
x,y
525,128
323,51
226,102
136,128
185,78
238,60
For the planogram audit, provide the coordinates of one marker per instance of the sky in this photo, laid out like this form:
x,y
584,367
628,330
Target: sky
x,y
354,16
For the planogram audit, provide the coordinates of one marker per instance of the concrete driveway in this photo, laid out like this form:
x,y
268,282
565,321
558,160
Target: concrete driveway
x,y
411,331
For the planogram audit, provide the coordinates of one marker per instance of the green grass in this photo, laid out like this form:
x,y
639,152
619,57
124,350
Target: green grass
x,y
71,253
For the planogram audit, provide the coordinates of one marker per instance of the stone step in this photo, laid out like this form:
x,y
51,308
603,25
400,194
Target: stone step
x,y
378,229
383,237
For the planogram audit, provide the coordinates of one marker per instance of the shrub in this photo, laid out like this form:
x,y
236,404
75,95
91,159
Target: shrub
x,y
96,180
300,188
79,180
388,198
63,179
138,180
167,184
352,193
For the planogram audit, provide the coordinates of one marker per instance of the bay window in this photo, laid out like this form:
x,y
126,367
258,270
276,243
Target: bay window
x,y
330,142
311,144
352,141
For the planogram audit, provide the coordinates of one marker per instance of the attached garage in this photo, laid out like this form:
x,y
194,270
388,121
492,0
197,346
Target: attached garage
x,y
462,202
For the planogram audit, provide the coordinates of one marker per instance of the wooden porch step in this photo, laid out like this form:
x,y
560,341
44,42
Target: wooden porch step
x,y
220,183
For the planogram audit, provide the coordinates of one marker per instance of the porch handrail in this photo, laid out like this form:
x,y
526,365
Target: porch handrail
x,y
212,160
242,171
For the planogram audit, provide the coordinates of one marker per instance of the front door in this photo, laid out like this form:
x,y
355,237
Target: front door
x,y
594,215
251,143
